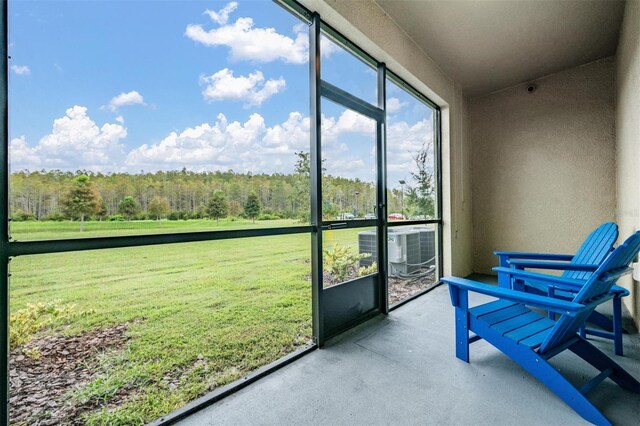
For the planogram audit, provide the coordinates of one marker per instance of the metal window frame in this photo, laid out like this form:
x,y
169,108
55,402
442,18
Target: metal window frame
x,y
321,90
4,219
9,249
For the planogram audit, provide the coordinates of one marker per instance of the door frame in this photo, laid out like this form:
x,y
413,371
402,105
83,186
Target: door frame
x,y
345,305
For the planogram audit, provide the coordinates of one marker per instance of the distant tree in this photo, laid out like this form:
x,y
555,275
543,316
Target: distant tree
x,y
252,207
158,207
101,211
235,208
128,207
201,211
81,200
302,186
218,206
421,190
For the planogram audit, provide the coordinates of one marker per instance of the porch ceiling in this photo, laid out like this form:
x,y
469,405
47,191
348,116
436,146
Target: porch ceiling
x,y
489,45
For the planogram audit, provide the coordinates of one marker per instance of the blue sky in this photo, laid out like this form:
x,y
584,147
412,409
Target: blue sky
x,y
206,85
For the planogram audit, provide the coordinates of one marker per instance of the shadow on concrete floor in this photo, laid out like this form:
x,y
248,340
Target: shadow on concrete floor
x,y
401,369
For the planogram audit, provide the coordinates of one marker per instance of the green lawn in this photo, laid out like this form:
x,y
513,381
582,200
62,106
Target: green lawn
x,y
210,312
42,230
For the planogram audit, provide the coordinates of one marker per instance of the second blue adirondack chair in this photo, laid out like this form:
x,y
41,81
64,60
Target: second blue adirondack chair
x,y
531,339
595,248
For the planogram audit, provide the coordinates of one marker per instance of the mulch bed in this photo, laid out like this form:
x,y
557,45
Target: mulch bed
x,y
399,288
39,388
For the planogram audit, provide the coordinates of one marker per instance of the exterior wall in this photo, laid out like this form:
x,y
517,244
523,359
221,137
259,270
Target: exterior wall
x,y
543,163
628,137
364,23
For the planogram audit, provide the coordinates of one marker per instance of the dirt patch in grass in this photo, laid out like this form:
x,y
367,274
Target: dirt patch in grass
x,y
43,373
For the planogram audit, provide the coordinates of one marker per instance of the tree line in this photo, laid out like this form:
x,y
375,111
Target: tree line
x,y
184,194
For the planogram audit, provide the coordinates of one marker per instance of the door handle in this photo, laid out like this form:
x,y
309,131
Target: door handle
x,y
334,226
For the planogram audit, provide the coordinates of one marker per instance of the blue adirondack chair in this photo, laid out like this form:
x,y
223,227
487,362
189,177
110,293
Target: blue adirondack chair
x,y
595,248
531,339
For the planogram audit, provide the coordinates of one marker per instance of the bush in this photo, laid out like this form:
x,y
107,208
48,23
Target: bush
x,y
141,216
367,270
28,321
268,216
22,216
116,218
55,217
182,215
340,261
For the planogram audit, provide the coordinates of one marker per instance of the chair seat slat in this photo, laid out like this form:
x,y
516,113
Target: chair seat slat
x,y
505,314
528,330
517,323
491,307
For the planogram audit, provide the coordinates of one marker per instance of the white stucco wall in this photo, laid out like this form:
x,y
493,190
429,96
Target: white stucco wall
x,y
628,137
364,23
543,163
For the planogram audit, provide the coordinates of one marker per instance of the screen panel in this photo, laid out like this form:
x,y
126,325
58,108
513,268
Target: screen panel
x,y
345,70
413,260
212,139
128,335
411,157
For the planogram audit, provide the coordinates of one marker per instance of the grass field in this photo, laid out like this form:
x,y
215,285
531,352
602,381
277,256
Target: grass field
x,y
43,230
204,313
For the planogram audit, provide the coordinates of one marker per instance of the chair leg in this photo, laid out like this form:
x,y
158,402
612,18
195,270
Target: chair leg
x,y
462,327
617,326
603,321
613,325
602,362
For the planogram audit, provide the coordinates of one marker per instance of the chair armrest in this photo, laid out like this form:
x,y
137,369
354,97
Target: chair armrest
x,y
543,302
553,265
550,280
540,256
619,291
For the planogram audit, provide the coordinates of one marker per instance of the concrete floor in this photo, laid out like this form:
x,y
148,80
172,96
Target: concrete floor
x,y
401,369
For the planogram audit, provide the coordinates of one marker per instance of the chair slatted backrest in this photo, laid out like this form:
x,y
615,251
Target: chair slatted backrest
x,y
597,286
594,249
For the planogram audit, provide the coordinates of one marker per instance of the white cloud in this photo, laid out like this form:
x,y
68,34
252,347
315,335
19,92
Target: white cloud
x,y
328,47
252,146
20,69
75,142
349,122
255,44
246,42
210,147
405,140
129,98
394,105
222,17
21,155
252,89
120,119
292,134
